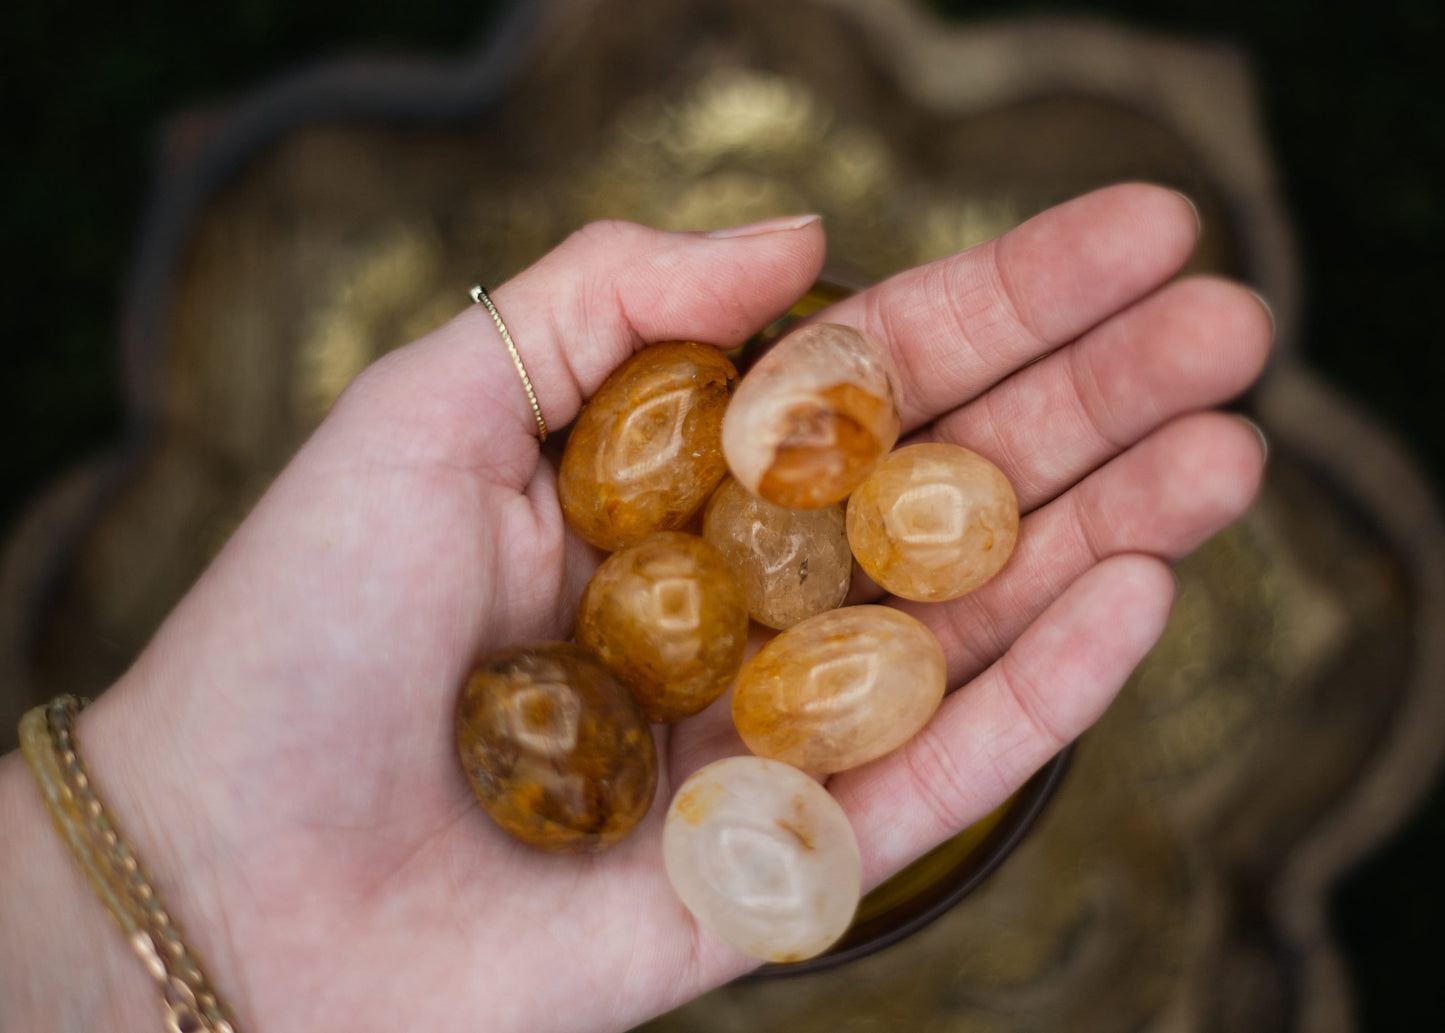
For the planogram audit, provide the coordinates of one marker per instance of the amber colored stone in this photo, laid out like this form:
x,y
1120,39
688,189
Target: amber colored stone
x,y
813,417
933,522
667,616
555,747
840,689
646,452
794,563
764,857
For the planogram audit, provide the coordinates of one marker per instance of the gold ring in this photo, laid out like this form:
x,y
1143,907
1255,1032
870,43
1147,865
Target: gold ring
x,y
480,296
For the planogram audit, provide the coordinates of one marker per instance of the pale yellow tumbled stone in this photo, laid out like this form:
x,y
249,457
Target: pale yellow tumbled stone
x,y
840,689
793,563
764,857
933,522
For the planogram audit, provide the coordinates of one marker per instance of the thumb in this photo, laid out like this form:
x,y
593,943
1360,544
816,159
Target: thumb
x,y
574,316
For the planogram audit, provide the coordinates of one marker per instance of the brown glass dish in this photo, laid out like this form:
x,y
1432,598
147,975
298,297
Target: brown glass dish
x,y
938,880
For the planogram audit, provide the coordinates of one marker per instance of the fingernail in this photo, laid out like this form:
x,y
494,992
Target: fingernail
x,y
1268,309
1198,219
1258,432
754,229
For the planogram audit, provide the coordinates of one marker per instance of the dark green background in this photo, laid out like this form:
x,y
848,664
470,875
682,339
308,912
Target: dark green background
x,y
1352,104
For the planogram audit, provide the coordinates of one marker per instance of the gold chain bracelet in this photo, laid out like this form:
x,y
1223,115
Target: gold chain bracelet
x,y
47,739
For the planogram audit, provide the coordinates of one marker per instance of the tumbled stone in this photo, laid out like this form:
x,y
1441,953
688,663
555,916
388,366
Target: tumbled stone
x,y
555,747
794,563
813,417
764,857
646,451
933,522
667,616
840,689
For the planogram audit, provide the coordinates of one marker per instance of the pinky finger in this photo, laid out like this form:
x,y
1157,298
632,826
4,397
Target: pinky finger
x,y
996,731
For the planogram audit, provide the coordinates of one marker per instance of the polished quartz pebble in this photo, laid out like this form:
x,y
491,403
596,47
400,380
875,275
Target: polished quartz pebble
x,y
812,417
555,747
667,615
933,522
646,452
794,563
764,857
839,689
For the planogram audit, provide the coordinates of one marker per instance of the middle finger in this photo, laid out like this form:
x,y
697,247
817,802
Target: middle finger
x,y
959,325
1193,345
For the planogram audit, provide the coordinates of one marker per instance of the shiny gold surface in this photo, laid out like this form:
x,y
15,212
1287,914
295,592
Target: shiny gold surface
x,y
1177,882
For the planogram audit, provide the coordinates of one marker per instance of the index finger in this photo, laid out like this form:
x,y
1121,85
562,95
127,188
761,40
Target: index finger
x,y
960,324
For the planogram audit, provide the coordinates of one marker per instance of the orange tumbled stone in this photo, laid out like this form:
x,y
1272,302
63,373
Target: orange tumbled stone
x,y
933,522
668,617
555,747
646,452
840,689
794,563
813,417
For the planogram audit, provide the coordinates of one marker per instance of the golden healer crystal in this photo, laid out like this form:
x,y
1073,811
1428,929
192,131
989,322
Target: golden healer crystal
x,y
668,617
813,417
646,452
933,522
793,563
555,747
840,689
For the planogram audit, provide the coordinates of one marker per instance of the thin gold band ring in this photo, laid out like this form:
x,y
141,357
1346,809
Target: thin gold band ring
x,y
480,296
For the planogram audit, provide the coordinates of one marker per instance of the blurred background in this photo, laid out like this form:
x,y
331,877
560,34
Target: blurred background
x,y
1352,112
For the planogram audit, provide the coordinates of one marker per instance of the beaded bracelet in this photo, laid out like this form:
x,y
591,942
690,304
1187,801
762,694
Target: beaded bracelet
x,y
47,739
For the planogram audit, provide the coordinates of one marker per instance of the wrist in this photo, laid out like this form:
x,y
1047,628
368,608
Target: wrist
x,y
54,922
63,963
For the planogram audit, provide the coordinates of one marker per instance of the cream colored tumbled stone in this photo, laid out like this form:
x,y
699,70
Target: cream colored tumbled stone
x,y
793,563
812,417
840,689
933,522
764,857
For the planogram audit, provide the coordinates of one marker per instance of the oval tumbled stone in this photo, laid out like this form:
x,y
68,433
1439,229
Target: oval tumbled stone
x,y
764,857
667,616
646,452
840,689
555,747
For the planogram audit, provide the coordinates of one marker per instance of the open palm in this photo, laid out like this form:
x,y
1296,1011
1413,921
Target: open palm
x,y
300,796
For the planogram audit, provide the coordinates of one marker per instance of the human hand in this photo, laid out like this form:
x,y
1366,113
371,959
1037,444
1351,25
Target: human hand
x,y
282,752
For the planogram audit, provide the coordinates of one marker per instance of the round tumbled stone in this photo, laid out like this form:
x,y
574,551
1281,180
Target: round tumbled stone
x,y
555,747
764,857
668,617
793,563
933,522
